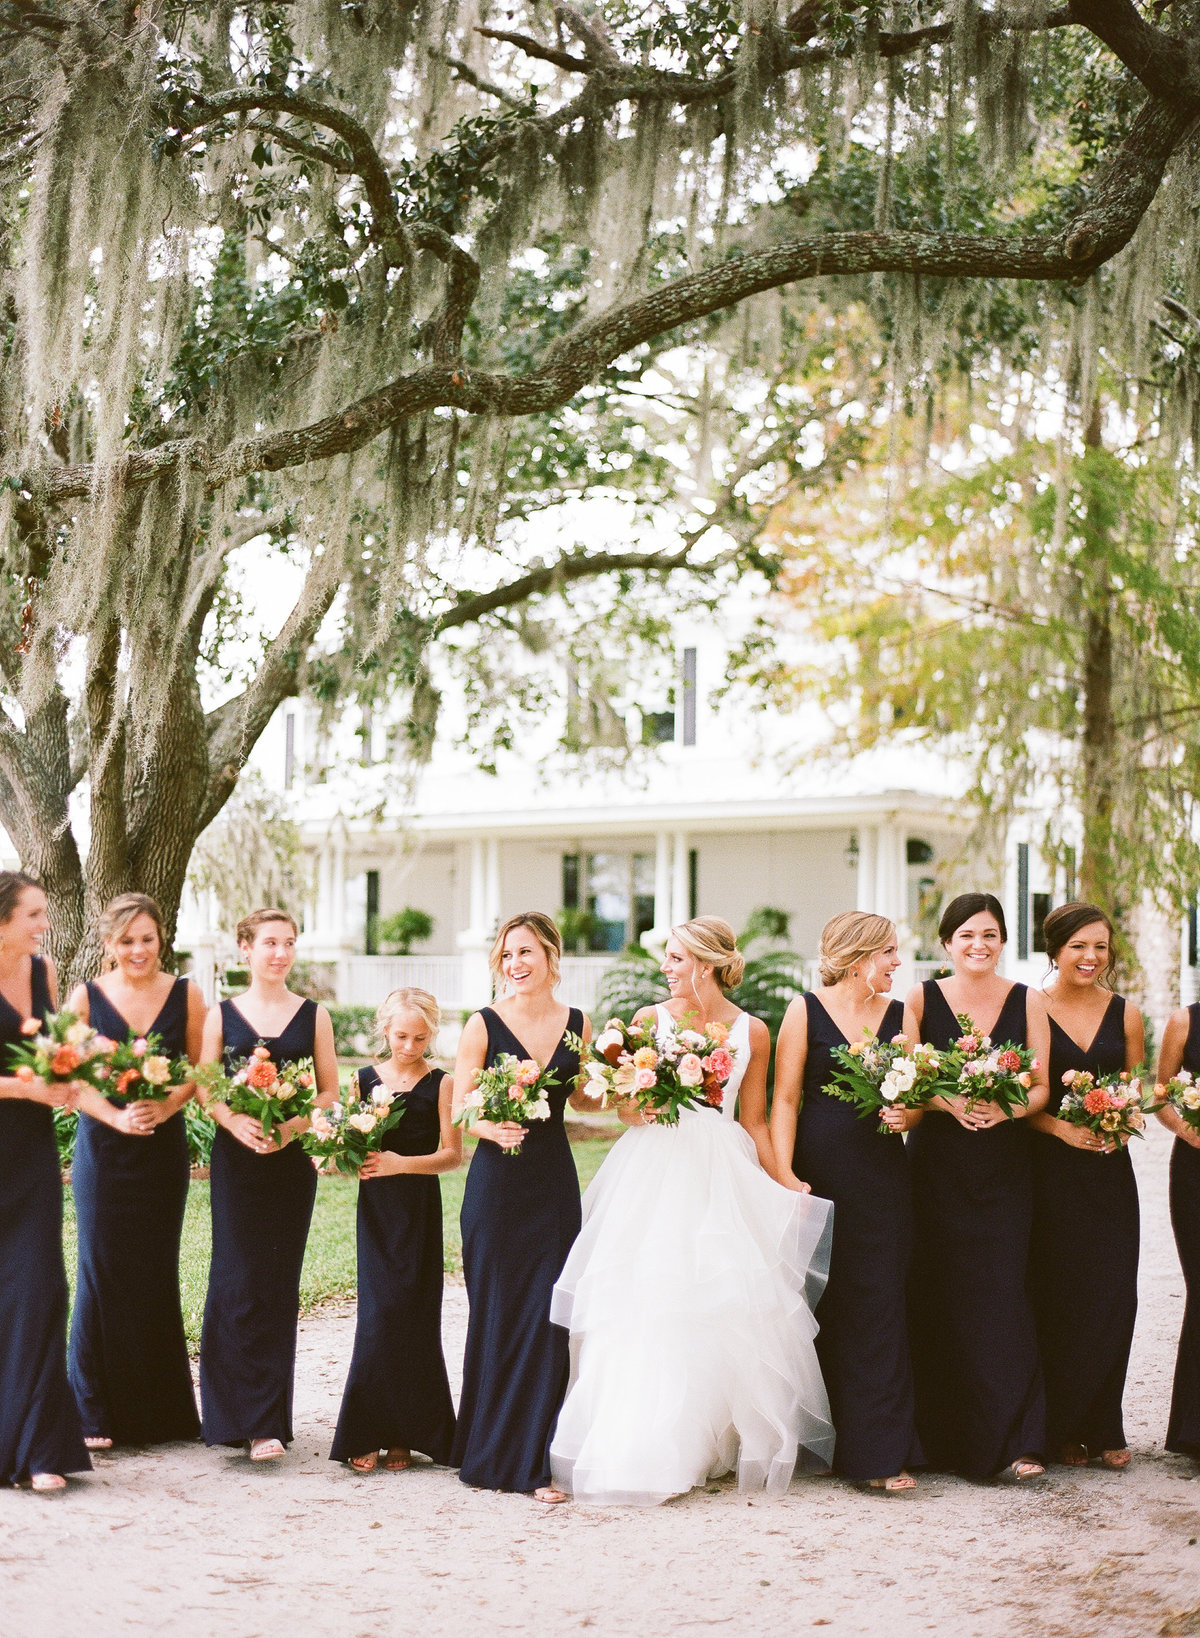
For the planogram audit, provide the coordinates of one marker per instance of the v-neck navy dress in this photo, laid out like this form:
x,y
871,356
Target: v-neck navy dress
x,y
1183,1429
39,1421
261,1208
862,1343
520,1215
980,1400
128,1359
1085,1304
397,1394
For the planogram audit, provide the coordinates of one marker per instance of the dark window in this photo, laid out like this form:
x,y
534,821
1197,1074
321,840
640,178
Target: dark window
x,y
1069,860
1023,901
289,750
689,696
372,938
693,877
1193,937
570,881
658,727
918,851
1043,903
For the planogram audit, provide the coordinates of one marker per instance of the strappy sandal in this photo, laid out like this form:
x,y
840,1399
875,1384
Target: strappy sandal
x,y
1116,1461
396,1461
47,1484
99,1442
266,1450
364,1464
1073,1456
898,1484
549,1496
1022,1471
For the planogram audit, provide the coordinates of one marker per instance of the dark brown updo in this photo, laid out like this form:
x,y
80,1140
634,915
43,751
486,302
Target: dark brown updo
x,y
12,884
964,907
1061,926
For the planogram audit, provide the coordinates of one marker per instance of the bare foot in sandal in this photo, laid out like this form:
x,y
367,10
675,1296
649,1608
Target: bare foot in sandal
x,y
897,1485
1022,1470
365,1464
47,1484
1073,1456
98,1443
552,1497
1115,1460
397,1459
266,1450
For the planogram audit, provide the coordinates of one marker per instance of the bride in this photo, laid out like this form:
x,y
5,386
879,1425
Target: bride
x,y
689,1292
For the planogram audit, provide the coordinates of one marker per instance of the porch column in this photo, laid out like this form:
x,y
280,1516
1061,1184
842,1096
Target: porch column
x,y
679,878
474,940
868,855
657,936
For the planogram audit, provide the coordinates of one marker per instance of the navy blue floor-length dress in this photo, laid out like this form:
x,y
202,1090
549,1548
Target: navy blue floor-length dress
x,y
261,1209
863,1342
980,1400
1084,1307
128,1358
397,1394
39,1421
520,1216
1183,1429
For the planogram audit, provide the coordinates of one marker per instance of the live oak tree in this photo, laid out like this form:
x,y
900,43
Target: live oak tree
x,y
365,285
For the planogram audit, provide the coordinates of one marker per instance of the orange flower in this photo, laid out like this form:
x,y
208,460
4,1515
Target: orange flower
x,y
66,1058
126,1079
261,1075
717,1032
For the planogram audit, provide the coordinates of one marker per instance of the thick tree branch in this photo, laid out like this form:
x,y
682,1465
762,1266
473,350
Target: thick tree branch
x,y
563,571
534,48
1167,66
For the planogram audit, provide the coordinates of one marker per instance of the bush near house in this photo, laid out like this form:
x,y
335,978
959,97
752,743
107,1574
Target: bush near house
x,y
406,928
353,1030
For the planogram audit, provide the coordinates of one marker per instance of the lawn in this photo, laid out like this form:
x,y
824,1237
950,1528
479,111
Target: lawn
x,y
329,1261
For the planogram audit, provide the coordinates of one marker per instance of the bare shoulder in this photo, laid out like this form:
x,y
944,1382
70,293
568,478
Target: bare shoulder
x,y
796,1016
760,1035
643,1014
1177,1024
1036,1003
474,1030
914,1001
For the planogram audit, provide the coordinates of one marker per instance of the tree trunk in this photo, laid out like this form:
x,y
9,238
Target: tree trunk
x,y
1099,751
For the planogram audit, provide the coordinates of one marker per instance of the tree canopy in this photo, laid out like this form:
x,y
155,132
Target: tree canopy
x,y
368,285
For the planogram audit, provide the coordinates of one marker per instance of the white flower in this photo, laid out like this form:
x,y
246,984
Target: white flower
x,y
608,1038
156,1069
363,1122
1185,1075
78,1033
540,1110
691,1039
382,1096
890,1087
1190,1099
473,1100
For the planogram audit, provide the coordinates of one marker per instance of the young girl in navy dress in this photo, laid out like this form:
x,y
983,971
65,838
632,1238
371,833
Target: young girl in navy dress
x,y
863,1314
397,1395
128,1358
1181,1050
520,1216
981,1408
40,1436
1084,1193
262,1194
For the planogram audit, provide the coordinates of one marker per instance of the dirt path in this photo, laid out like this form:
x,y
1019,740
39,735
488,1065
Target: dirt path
x,y
189,1543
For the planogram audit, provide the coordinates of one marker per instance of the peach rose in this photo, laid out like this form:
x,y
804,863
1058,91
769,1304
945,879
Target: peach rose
x,y
31,1026
717,1032
691,1070
528,1071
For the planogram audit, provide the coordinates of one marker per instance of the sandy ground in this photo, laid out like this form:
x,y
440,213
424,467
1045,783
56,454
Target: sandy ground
x,y
189,1542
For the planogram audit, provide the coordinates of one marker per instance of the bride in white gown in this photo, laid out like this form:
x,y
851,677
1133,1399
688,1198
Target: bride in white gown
x,y
689,1292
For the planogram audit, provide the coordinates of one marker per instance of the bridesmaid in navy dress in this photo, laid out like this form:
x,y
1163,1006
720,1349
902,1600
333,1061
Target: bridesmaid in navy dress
x,y
863,1339
128,1358
397,1395
262,1192
1084,1193
520,1214
1181,1050
981,1407
40,1436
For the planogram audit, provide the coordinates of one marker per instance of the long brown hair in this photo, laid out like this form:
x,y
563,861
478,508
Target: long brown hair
x,y
1061,926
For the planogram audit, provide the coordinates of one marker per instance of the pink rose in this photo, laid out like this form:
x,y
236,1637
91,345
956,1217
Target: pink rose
x,y
719,1063
139,1047
102,1044
261,1052
528,1071
967,1043
643,1080
691,1070
31,1026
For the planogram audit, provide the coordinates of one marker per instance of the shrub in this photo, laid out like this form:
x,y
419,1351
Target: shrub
x,y
406,928
353,1030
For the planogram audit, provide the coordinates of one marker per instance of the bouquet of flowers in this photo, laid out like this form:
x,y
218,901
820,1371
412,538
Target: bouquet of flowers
x,y
260,1087
353,1128
1183,1094
64,1048
688,1071
137,1069
510,1089
1112,1106
976,1069
875,1075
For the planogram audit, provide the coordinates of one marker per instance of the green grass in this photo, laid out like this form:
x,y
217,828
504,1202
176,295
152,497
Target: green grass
x,y
329,1262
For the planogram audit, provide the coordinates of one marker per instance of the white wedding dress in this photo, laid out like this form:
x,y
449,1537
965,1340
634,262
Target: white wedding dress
x,y
689,1297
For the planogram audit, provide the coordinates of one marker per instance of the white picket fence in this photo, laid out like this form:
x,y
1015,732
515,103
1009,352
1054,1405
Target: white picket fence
x,y
365,980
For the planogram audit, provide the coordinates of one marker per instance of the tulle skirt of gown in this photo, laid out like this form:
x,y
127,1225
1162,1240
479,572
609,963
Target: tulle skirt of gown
x,y
689,1297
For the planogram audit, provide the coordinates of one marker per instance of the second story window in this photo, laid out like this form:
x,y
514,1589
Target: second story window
x,y
689,696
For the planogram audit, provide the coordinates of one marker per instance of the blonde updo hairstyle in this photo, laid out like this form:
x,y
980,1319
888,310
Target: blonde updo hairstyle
x,y
854,936
408,999
544,931
713,943
247,928
119,915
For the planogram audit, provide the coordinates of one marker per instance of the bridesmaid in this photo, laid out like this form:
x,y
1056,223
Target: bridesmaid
x,y
1084,1193
262,1191
397,1395
863,1339
128,1358
40,1435
980,1403
520,1214
1181,1050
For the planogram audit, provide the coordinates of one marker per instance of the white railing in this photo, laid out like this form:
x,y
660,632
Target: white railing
x,y
928,969
364,980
